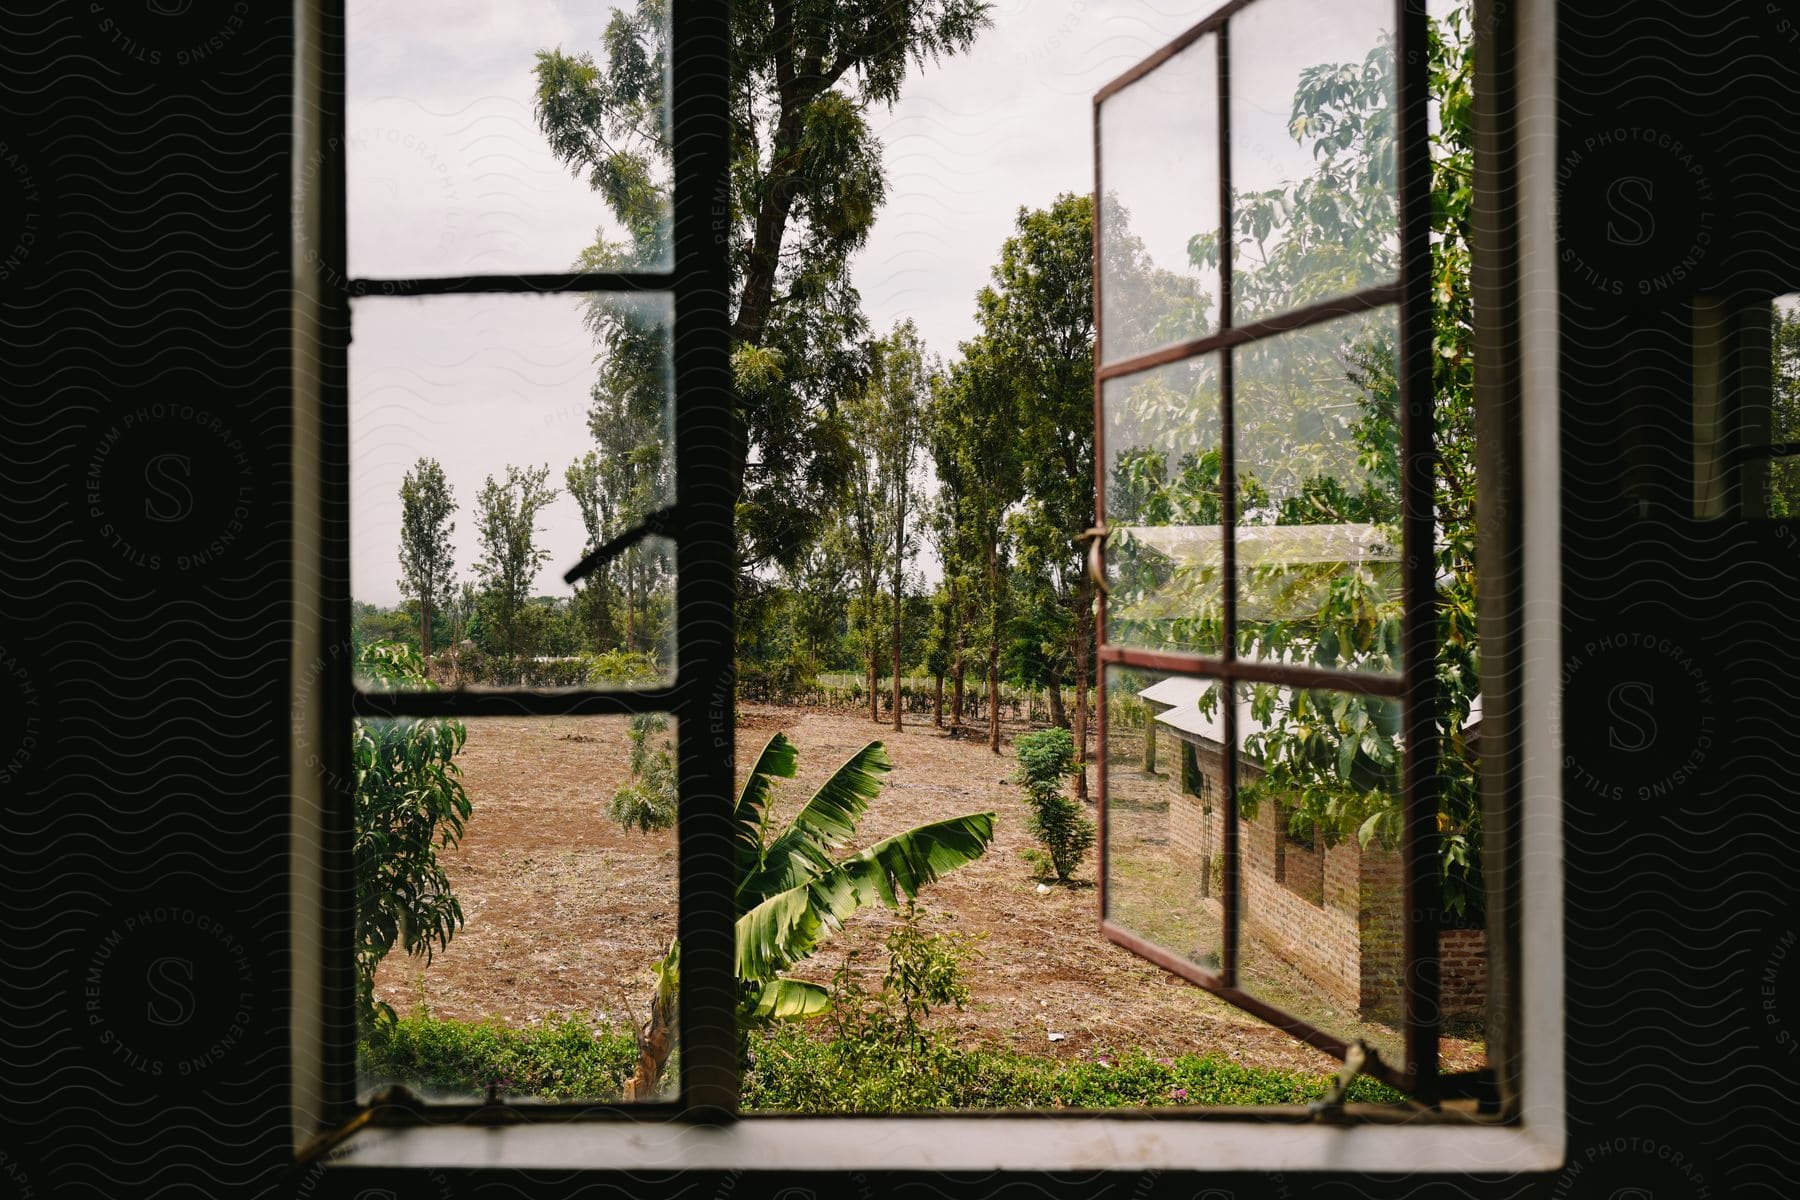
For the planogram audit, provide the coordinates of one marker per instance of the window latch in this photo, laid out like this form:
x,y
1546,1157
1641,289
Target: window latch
x,y
1330,1106
392,1105
1096,565
659,523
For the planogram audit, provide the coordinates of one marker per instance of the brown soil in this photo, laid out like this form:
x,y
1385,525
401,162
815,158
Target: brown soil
x,y
565,911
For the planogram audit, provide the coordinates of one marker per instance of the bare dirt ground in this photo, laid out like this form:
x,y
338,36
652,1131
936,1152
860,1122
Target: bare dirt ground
x,y
565,911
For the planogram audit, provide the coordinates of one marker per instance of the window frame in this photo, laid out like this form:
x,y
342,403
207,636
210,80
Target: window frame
x,y
1416,686
330,1129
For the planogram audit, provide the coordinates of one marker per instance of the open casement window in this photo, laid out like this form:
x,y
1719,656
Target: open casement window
x,y
1265,469
472,339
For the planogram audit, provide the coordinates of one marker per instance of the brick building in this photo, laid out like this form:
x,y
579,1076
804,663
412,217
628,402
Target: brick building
x,y
1332,911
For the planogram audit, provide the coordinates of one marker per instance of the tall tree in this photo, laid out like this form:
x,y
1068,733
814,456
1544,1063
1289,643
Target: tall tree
x,y
899,394
807,180
863,532
427,559
1039,314
975,447
510,556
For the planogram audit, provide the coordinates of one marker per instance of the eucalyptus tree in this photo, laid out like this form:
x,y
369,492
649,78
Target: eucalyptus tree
x,y
427,557
975,447
807,180
507,514
898,396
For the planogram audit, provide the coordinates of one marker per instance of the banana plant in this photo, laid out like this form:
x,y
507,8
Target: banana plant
x,y
793,892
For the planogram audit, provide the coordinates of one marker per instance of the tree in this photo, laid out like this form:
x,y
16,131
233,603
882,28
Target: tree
x,y
410,802
806,179
902,383
792,893
1784,473
976,449
862,533
1039,315
427,559
510,557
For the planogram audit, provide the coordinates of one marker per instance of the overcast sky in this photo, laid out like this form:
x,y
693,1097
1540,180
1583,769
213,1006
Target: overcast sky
x,y
448,174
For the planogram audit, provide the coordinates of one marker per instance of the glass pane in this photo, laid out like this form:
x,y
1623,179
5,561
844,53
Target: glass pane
x,y
450,170
1159,213
558,900
1322,917
1313,108
523,430
1165,811
1162,503
1318,538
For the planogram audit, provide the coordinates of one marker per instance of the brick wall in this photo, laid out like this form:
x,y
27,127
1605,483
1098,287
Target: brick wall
x,y
1335,912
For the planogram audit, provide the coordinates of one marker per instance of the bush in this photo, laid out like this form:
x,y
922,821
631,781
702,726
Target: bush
x,y
651,799
563,1058
1057,822
410,802
792,1069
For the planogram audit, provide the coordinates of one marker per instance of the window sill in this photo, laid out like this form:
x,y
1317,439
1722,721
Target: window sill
x,y
951,1143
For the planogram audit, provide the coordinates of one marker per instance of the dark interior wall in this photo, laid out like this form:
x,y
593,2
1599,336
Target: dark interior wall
x,y
1679,177
143,486
143,262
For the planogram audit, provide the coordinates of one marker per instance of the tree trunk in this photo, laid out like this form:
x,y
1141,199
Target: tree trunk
x,y
1059,717
1084,625
993,656
425,630
874,683
896,666
937,701
655,1042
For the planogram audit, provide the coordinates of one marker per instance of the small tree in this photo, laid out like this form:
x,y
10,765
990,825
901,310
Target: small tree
x,y
1046,758
650,800
410,802
427,559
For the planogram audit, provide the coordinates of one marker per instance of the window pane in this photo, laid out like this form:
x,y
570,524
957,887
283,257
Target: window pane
x,y
1165,854
1322,917
1313,111
1162,503
1159,215
545,422
1318,538
450,170
565,878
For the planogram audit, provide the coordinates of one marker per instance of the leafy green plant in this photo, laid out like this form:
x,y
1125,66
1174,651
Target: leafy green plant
x,y
1057,822
650,800
792,893
410,802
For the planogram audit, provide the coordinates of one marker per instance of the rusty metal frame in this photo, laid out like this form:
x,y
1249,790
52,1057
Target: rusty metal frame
x,y
1415,686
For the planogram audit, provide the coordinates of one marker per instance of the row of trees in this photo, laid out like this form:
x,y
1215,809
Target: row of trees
x,y
858,449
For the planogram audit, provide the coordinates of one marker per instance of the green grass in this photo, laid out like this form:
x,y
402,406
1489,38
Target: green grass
x,y
798,1068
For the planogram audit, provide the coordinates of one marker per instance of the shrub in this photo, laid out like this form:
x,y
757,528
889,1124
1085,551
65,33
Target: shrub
x,y
651,799
562,1058
409,801
1057,822
575,1058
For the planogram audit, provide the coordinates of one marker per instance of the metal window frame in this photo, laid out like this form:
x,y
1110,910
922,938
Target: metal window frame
x,y
1415,687
700,697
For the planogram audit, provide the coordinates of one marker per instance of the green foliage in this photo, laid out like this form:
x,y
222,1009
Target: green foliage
x,y
792,893
795,1072
571,1059
560,1058
1046,758
806,182
651,799
924,971
410,802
